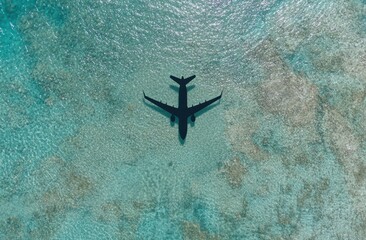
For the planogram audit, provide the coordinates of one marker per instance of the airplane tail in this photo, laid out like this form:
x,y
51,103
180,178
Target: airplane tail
x,y
182,81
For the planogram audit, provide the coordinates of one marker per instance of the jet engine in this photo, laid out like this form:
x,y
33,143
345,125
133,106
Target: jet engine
x,y
172,118
193,118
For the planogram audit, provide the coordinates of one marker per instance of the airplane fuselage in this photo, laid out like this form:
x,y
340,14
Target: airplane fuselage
x,y
182,105
182,97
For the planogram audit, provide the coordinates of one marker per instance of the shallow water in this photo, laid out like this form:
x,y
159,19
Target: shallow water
x,y
282,156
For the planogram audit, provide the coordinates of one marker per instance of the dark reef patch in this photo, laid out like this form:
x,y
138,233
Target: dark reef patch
x,y
193,231
233,171
11,228
269,140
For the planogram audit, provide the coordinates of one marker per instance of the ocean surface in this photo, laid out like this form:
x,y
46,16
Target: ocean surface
x,y
83,156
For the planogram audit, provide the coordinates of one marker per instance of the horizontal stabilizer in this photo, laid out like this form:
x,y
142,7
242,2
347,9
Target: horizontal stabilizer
x,y
182,81
175,79
187,80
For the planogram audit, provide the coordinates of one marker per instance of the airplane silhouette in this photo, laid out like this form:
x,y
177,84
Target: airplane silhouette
x,y
182,112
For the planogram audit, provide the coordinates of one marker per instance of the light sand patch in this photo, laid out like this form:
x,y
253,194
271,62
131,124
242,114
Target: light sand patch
x,y
282,91
242,121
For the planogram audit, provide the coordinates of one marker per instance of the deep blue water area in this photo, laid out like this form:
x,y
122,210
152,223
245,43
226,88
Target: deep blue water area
x,y
83,156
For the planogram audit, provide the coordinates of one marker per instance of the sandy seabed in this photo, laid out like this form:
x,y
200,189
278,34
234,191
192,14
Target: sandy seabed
x,y
282,156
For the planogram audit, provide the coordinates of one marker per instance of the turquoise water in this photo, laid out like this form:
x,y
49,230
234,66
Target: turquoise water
x,y
281,157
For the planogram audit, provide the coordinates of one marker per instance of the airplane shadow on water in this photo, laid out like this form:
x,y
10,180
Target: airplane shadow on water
x,y
182,112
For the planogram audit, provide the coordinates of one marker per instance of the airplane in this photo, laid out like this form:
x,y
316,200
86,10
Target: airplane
x,y
183,111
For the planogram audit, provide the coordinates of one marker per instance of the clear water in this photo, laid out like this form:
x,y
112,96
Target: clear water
x,y
281,157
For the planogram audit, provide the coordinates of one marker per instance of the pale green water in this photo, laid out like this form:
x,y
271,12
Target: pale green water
x,y
281,157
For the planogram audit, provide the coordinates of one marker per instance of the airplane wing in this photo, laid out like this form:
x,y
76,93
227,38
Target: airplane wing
x,y
199,107
164,106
